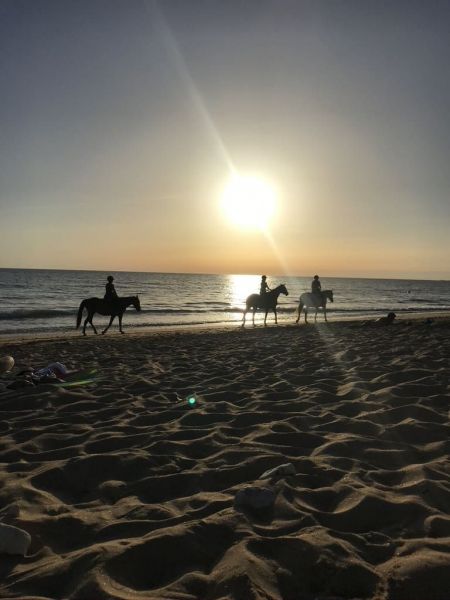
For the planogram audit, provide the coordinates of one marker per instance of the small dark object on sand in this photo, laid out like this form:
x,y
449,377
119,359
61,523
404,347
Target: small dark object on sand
x,y
254,497
388,320
20,383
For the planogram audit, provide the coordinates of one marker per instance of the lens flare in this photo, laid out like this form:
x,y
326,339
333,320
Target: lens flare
x,y
191,399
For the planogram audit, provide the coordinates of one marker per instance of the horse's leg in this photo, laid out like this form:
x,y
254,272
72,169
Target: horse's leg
x,y
109,324
265,317
315,316
325,313
243,318
299,311
306,314
254,310
87,320
275,313
120,323
93,326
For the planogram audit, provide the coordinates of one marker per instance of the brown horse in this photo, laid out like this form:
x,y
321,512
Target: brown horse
x,y
269,302
106,307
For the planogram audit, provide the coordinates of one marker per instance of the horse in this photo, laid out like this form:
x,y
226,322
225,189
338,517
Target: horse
x,y
269,302
114,308
312,300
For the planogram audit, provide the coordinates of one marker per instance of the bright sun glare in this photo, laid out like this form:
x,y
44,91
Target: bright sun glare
x,y
249,202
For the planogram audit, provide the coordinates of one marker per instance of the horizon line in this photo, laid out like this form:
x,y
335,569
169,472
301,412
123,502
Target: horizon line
x,y
402,278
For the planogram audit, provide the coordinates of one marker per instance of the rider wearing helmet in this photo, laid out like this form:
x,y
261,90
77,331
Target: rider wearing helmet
x,y
316,287
110,294
263,287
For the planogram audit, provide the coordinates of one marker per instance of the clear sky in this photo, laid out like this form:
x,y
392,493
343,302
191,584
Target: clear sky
x,y
122,121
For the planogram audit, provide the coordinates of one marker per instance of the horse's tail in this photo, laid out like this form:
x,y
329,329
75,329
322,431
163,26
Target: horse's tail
x,y
80,312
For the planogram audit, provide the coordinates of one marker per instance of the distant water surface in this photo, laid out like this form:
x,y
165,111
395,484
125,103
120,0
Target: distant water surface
x,y
37,301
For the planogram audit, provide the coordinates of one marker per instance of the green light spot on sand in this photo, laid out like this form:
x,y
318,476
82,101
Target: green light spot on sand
x,y
192,400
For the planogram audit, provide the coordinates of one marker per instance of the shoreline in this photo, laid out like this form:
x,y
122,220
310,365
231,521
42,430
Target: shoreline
x,y
155,330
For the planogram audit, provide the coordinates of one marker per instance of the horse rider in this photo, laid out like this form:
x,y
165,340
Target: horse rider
x,y
316,287
263,288
110,294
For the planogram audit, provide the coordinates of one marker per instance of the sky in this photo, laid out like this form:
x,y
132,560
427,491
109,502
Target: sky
x,y
121,123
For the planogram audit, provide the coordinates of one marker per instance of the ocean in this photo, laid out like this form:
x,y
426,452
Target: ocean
x,y
45,301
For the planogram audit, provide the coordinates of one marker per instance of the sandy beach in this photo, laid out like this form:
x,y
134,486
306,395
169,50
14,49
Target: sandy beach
x,y
128,491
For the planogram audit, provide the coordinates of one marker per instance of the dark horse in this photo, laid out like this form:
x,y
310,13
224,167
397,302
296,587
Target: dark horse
x,y
106,307
269,302
319,300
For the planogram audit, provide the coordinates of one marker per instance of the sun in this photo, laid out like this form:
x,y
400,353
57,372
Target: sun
x,y
248,202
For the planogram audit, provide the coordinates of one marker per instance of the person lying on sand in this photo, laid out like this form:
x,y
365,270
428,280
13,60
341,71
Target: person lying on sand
x,y
388,320
55,373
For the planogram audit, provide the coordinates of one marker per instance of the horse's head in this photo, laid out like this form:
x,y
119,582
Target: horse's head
x,y
329,294
283,290
136,303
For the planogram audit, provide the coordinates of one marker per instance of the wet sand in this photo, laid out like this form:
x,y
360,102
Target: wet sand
x,y
128,491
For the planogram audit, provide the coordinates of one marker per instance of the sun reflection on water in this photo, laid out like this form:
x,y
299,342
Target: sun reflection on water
x,y
240,287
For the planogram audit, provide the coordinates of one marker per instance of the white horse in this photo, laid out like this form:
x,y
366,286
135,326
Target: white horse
x,y
310,300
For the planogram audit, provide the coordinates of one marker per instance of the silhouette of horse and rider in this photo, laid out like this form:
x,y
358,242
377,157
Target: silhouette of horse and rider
x,y
317,298
267,299
110,305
